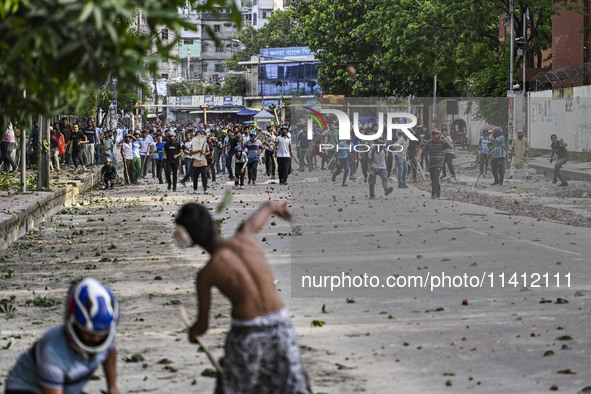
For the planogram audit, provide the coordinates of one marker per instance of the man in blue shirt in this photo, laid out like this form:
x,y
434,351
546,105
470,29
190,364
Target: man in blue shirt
x,y
64,359
160,152
343,150
303,151
483,142
498,156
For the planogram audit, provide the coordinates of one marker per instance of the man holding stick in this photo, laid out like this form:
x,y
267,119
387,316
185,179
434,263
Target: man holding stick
x,y
261,350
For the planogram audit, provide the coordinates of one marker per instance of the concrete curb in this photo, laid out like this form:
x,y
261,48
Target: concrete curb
x,y
569,170
25,215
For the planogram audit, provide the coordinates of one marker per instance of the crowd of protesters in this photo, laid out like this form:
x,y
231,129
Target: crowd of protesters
x,y
183,154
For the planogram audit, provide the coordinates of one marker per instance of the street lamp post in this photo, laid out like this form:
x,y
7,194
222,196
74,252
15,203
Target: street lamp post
x,y
523,88
510,92
205,108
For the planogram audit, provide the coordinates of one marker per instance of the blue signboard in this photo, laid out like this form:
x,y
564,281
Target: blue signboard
x,y
285,53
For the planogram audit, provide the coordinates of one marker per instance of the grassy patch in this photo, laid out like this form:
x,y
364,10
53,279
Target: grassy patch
x,y
42,302
533,153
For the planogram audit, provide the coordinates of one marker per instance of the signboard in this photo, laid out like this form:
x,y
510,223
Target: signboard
x,y
197,101
212,101
286,53
227,101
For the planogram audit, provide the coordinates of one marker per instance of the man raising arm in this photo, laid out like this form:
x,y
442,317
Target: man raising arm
x,y
261,348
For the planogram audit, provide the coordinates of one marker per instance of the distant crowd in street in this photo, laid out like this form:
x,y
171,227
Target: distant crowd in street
x,y
186,152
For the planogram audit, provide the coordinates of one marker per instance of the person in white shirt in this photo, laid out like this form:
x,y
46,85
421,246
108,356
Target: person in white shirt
x,y
283,154
127,155
145,157
198,150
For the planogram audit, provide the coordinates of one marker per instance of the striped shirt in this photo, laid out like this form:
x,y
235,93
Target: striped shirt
x,y
436,150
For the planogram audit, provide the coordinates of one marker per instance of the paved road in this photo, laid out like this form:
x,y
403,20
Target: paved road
x,y
383,340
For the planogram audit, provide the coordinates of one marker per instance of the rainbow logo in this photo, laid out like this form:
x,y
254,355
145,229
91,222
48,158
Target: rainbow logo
x,y
318,118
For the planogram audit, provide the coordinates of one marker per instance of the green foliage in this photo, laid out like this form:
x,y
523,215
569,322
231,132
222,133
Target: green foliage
x,y
42,302
234,85
7,307
60,51
11,182
384,48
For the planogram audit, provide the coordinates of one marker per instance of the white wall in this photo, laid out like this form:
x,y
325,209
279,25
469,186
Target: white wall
x,y
564,112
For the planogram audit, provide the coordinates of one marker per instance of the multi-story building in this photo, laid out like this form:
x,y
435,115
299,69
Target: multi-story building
x,y
281,73
257,12
190,46
215,51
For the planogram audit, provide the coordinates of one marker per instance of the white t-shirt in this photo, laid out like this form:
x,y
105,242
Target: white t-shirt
x,y
283,144
127,151
451,141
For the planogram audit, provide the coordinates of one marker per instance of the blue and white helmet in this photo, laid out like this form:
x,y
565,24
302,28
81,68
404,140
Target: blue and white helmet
x,y
92,308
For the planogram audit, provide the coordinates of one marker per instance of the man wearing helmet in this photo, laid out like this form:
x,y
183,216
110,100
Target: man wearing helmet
x,y
436,147
108,174
65,357
254,148
172,151
238,162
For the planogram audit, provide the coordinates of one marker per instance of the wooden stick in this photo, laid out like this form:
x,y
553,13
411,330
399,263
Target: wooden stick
x,y
217,366
477,179
421,169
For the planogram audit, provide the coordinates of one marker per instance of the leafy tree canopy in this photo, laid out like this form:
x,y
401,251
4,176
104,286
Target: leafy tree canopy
x,y
59,51
394,48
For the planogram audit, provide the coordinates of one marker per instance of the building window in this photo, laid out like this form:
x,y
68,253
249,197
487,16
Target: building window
x,y
254,19
217,28
188,42
219,68
264,14
164,76
203,68
219,49
165,34
255,2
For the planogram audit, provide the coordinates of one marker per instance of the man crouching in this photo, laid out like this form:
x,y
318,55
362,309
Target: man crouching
x,y
261,351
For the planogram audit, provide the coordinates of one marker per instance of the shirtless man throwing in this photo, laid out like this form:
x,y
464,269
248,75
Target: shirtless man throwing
x,y
261,352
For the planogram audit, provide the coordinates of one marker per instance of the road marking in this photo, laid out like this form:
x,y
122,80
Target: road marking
x,y
477,232
521,240
545,246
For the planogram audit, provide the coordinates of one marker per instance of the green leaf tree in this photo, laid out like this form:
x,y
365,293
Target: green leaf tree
x,y
56,52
